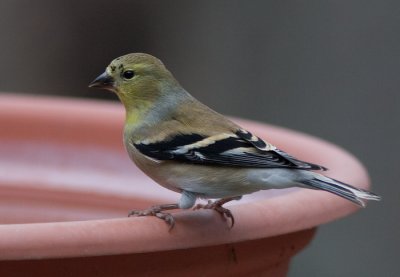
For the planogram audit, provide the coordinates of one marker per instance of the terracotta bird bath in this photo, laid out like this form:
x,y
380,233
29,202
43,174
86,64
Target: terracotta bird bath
x,y
66,186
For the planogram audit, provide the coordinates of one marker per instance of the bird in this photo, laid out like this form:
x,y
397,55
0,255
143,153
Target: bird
x,y
187,147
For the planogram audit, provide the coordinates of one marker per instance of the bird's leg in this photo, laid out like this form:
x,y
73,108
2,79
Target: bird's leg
x,y
158,211
217,206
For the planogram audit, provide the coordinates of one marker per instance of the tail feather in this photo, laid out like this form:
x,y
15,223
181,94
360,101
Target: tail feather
x,y
355,195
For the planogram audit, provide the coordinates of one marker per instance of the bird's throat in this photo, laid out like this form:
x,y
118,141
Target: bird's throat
x,y
136,111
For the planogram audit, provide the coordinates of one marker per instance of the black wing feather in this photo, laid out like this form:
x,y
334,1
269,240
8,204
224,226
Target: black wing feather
x,y
230,151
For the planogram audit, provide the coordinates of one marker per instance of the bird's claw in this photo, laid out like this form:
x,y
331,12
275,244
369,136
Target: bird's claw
x,y
217,206
156,211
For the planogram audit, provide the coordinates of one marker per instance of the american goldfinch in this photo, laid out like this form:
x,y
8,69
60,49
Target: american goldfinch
x,y
187,147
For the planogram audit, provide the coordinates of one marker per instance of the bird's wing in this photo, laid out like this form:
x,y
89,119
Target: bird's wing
x,y
240,149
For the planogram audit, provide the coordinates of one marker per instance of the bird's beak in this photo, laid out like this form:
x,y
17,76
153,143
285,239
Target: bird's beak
x,y
104,81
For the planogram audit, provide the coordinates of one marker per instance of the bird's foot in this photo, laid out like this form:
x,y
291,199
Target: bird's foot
x,y
158,211
217,206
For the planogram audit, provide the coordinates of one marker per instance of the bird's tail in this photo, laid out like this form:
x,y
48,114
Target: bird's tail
x,y
355,195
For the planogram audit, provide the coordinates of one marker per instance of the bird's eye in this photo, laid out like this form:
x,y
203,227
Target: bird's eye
x,y
128,74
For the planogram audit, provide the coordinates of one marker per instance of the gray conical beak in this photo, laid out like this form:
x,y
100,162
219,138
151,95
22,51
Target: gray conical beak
x,y
104,81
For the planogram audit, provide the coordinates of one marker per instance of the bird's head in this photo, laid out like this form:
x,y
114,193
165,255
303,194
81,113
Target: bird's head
x,y
137,79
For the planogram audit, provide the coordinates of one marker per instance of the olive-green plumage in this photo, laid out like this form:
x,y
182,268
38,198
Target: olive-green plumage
x,y
142,93
154,98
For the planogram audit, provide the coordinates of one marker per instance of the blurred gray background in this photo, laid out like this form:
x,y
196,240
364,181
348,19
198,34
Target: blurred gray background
x,y
328,68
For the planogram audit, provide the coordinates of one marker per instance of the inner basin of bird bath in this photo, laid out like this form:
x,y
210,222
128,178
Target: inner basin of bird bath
x,y
67,185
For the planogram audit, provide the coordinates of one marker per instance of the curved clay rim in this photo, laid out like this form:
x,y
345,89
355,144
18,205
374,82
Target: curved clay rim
x,y
78,121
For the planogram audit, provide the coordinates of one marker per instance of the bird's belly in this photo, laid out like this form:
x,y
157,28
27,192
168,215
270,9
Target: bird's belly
x,y
204,181
208,181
